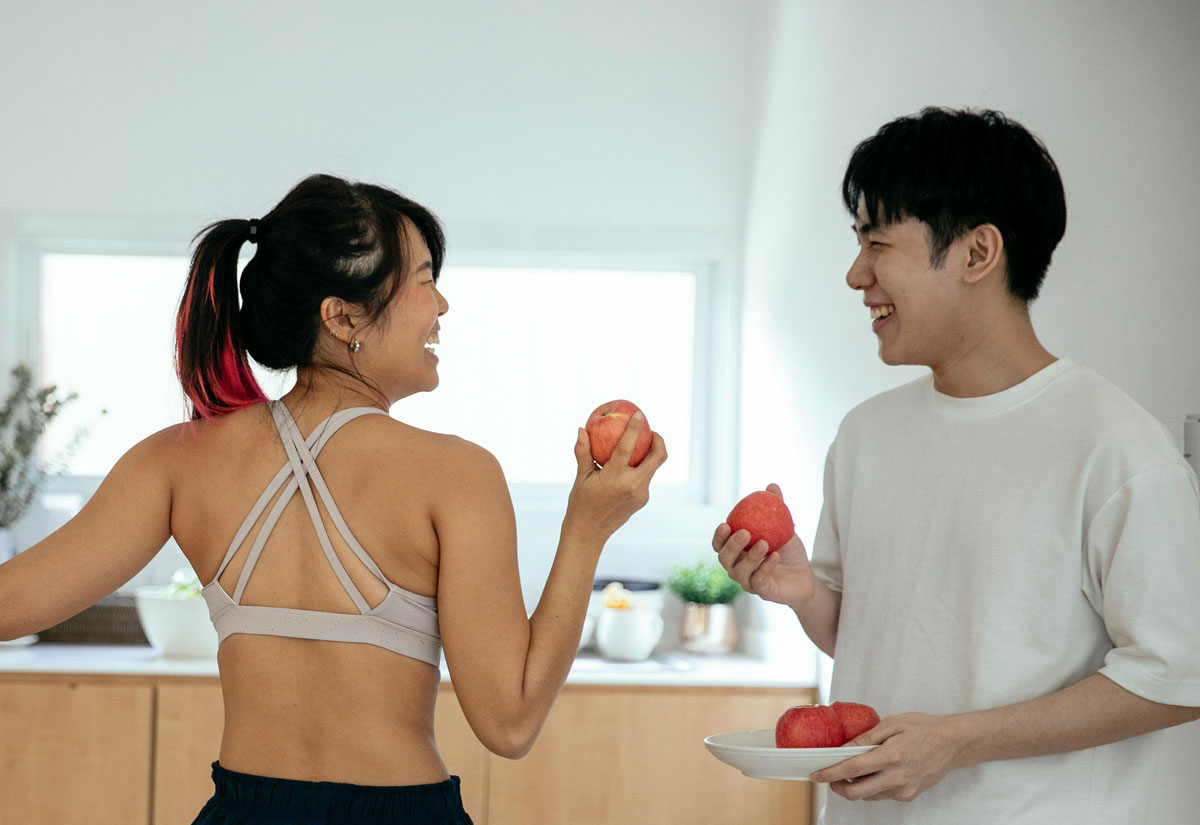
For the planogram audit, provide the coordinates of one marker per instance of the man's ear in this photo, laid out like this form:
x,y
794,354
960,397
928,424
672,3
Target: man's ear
x,y
983,247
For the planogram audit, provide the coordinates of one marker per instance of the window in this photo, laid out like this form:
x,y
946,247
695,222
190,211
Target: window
x,y
527,352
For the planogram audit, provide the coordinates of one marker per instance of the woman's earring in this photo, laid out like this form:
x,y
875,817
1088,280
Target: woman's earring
x,y
354,345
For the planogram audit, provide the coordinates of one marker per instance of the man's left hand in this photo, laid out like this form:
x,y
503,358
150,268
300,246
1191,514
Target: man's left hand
x,y
915,752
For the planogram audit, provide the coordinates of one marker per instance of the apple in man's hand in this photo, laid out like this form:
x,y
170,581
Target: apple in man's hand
x,y
607,424
809,726
766,517
856,718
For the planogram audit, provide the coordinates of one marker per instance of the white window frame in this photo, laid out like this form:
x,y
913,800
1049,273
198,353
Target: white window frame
x,y
674,518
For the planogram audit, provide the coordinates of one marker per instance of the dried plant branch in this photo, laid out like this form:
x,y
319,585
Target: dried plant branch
x,y
26,413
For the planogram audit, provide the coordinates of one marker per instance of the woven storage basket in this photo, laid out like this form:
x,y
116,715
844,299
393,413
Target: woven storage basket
x,y
110,621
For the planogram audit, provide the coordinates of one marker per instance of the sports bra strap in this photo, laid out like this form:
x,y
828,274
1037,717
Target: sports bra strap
x,y
331,507
301,454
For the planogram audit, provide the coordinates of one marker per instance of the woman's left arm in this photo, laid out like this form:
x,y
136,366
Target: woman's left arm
x,y
916,750
115,535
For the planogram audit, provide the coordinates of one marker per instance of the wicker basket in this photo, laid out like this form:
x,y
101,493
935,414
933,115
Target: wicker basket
x,y
110,621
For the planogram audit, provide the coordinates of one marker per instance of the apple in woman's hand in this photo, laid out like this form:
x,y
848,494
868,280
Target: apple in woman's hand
x,y
766,517
607,424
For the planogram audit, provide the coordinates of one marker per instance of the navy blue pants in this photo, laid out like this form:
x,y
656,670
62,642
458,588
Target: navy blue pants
x,y
243,799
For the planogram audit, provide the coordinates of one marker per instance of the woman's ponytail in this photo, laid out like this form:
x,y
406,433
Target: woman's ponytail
x,y
210,356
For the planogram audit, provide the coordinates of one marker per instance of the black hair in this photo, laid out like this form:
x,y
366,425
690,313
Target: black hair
x,y
327,237
955,170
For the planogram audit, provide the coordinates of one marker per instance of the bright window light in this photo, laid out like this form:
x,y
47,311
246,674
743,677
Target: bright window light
x,y
526,354
107,333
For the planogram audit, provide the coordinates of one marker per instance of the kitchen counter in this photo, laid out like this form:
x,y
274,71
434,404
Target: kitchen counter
x,y
667,668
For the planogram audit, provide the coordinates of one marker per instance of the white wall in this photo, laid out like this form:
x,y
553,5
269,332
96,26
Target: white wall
x,y
1111,87
526,114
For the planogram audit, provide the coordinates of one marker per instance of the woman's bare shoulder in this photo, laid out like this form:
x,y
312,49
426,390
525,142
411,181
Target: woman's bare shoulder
x,y
181,447
444,453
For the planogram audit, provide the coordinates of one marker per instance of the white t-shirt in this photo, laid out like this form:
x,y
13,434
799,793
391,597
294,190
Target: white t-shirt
x,y
995,549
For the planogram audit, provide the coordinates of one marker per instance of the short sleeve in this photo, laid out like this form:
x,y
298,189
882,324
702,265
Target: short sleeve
x,y
827,548
1143,559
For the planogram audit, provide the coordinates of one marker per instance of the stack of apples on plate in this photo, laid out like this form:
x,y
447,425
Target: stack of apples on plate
x,y
823,726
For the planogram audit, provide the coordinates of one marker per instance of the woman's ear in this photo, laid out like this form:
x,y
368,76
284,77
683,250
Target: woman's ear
x,y
984,248
339,318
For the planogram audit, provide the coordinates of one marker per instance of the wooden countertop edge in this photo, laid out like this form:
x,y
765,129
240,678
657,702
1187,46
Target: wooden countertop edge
x,y
153,680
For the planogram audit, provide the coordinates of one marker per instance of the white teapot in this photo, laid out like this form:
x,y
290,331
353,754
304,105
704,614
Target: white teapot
x,y
628,634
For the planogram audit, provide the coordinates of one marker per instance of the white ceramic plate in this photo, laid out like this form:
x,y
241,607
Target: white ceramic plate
x,y
753,752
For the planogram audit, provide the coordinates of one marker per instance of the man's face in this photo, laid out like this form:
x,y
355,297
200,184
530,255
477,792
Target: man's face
x,y
917,310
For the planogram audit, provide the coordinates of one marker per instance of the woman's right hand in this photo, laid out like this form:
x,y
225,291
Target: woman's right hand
x,y
784,576
603,498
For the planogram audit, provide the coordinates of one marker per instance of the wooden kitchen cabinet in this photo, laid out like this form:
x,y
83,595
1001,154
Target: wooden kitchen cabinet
x,y
75,751
636,754
98,749
189,718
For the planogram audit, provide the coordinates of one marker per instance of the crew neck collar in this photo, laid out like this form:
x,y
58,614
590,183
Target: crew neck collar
x,y
983,406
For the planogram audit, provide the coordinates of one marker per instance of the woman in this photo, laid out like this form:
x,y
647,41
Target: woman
x,y
340,548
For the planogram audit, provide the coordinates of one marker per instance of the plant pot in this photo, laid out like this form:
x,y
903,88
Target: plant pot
x,y
708,628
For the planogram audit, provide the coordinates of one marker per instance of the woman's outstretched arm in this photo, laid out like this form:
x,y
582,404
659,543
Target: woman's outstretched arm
x,y
120,529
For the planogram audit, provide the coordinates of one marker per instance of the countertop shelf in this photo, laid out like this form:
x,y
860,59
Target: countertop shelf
x,y
667,669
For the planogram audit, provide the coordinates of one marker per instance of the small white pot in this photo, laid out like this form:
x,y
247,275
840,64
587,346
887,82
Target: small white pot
x,y
628,634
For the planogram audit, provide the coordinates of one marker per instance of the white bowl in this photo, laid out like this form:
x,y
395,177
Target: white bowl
x,y
177,627
589,624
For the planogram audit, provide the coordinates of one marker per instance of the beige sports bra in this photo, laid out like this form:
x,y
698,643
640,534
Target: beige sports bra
x,y
404,622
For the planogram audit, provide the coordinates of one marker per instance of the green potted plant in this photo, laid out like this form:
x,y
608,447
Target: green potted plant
x,y
24,416
709,624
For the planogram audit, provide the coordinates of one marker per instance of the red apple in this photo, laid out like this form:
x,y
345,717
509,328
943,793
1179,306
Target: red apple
x,y
809,726
856,719
766,517
607,424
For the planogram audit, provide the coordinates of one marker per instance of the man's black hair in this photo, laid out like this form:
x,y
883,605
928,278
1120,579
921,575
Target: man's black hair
x,y
955,170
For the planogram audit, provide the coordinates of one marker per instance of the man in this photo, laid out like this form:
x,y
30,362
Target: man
x,y
1007,564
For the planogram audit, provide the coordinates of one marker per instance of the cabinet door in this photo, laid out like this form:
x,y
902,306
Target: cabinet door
x,y
74,752
632,755
190,718
462,753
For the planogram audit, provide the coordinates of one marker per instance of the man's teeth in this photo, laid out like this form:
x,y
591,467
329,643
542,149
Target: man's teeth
x,y
884,311
432,341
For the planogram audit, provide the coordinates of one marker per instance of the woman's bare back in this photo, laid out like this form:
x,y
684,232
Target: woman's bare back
x,y
299,708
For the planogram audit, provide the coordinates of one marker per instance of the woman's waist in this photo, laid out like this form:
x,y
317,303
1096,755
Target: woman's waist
x,y
388,752
323,711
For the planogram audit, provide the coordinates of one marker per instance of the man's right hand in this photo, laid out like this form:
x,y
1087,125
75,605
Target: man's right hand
x,y
784,576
